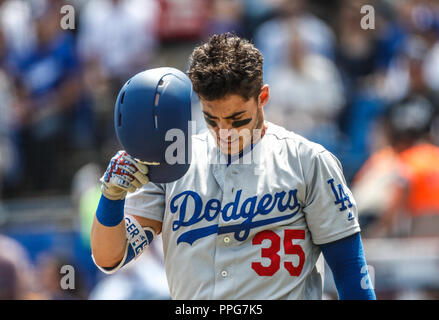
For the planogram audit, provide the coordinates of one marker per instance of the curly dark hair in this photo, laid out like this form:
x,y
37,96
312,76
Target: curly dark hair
x,y
226,64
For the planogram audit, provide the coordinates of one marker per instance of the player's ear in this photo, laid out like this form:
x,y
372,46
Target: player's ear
x,y
264,95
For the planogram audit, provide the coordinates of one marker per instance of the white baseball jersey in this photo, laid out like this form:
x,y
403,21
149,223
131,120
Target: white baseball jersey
x,y
250,230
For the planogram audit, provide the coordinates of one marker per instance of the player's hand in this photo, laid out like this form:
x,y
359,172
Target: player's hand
x,y
124,174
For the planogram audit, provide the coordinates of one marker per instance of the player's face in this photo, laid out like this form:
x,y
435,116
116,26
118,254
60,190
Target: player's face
x,y
235,122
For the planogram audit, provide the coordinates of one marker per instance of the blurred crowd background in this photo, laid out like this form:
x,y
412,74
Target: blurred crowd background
x,y
369,95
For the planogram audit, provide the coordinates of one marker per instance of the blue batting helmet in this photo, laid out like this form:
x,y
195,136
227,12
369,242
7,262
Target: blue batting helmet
x,y
148,107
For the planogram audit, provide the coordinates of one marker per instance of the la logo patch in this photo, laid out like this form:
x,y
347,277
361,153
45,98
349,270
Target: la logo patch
x,y
340,196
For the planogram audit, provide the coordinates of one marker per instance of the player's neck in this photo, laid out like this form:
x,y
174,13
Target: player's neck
x,y
259,132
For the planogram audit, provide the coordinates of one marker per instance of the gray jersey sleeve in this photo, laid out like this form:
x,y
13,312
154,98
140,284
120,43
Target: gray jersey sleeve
x,y
147,202
330,209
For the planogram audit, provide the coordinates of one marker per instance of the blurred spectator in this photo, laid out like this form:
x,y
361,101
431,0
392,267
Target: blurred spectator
x,y
418,17
362,57
375,186
49,267
272,37
16,24
408,71
17,281
6,97
116,39
421,19
404,199
306,93
119,36
52,113
8,281
357,50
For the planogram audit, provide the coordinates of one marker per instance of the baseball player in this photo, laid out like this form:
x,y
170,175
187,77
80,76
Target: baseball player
x,y
256,209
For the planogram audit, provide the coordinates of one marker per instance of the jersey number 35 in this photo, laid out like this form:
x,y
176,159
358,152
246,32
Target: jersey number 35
x,y
272,252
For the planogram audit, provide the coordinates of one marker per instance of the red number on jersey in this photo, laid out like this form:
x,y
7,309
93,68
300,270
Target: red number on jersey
x,y
291,248
272,252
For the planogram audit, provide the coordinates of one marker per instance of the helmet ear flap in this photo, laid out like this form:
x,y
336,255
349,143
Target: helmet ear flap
x,y
148,107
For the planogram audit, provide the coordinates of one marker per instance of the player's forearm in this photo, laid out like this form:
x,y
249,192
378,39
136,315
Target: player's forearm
x,y
108,243
108,239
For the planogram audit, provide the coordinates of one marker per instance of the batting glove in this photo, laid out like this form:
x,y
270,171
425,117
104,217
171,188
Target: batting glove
x,y
124,174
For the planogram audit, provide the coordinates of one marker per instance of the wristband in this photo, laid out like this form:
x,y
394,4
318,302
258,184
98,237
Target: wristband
x,y
110,212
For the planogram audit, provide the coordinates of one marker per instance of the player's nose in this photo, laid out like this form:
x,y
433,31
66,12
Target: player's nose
x,y
224,132
224,125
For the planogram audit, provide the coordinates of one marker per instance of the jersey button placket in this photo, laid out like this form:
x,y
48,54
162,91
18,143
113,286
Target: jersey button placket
x,y
231,187
223,256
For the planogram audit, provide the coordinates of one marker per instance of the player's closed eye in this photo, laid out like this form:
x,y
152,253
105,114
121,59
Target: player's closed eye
x,y
210,122
241,123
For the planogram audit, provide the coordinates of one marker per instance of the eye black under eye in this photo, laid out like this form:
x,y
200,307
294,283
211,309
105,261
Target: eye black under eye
x,y
210,122
240,123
